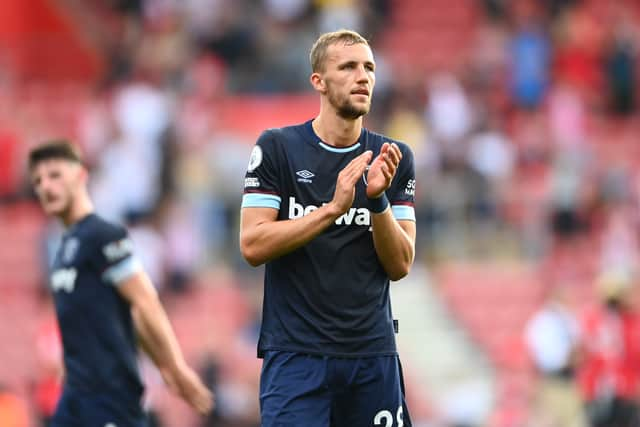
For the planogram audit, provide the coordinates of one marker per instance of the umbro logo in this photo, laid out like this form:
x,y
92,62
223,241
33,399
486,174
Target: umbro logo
x,y
305,176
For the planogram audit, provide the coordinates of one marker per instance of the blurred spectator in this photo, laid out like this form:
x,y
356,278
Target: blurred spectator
x,y
145,234
9,165
233,36
620,61
286,10
578,41
210,374
609,374
620,247
566,215
552,337
127,180
489,58
164,49
567,120
184,245
495,9
530,60
492,157
466,403
336,14
449,114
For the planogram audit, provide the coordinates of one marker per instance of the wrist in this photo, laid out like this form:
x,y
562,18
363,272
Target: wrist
x,y
379,204
333,210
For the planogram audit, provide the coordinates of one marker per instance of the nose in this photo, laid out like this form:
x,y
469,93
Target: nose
x,y
363,74
42,186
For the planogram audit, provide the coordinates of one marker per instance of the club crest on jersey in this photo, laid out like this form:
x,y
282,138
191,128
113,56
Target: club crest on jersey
x,y
256,158
305,176
70,249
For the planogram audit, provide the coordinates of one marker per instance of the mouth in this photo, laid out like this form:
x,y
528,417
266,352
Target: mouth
x,y
362,91
49,199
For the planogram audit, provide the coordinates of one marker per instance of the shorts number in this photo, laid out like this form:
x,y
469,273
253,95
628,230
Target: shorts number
x,y
386,417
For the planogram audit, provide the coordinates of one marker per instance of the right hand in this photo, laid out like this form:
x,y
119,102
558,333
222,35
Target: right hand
x,y
345,184
186,384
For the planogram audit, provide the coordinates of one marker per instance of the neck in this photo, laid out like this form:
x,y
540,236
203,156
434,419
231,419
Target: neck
x,y
337,131
80,208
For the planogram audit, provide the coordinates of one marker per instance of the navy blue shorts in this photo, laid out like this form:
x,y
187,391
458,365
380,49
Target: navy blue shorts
x,y
79,409
301,390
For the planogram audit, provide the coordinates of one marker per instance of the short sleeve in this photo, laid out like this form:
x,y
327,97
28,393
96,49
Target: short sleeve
x,y
115,257
261,188
402,192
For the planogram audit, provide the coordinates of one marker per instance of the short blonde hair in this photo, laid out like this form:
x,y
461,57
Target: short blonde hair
x,y
319,50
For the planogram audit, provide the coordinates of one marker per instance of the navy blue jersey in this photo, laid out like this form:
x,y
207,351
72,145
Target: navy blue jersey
x,y
100,354
331,296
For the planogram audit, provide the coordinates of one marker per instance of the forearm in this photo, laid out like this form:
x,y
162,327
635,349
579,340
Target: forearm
x,y
393,245
156,335
266,240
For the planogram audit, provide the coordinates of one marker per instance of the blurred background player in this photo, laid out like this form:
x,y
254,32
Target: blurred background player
x,y
610,368
104,303
553,338
328,206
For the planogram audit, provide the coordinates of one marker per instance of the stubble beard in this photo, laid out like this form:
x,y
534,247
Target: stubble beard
x,y
345,108
60,208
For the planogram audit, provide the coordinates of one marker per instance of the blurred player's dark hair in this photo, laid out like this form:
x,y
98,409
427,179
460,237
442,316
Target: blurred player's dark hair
x,y
55,149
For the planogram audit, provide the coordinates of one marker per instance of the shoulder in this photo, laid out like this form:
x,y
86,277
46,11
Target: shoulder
x,y
281,135
104,239
106,236
274,144
99,228
112,240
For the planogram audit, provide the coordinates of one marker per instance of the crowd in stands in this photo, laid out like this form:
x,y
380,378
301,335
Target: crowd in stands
x,y
528,150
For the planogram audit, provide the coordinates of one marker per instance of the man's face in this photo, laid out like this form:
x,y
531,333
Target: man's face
x,y
349,77
55,182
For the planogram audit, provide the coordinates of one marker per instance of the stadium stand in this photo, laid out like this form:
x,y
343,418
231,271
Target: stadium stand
x,y
536,186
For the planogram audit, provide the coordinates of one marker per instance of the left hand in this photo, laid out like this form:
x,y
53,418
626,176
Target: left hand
x,y
382,170
184,382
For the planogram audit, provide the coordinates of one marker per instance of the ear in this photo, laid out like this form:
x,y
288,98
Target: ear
x,y
83,174
318,83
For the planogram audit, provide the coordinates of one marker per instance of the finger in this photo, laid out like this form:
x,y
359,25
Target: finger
x,y
387,172
209,403
204,404
201,399
366,157
357,166
390,162
392,168
395,153
349,177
